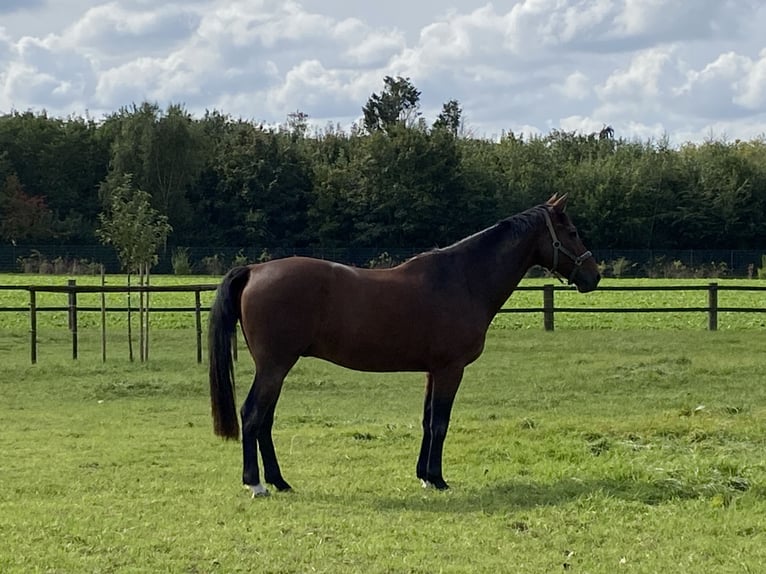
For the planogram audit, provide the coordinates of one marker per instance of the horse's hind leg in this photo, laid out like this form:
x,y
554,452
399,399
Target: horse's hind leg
x,y
271,472
441,389
257,420
250,474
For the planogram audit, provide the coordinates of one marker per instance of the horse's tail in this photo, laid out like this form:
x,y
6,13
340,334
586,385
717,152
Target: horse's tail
x,y
222,323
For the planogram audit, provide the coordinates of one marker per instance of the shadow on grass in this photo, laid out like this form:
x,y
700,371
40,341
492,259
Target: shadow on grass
x,y
518,494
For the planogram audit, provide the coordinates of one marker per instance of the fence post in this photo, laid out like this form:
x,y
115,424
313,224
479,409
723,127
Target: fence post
x,y
72,284
33,325
70,303
198,319
712,304
548,307
103,316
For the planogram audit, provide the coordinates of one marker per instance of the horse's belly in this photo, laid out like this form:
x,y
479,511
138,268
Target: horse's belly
x,y
374,356
411,347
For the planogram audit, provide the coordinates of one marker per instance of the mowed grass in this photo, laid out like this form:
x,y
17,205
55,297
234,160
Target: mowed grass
x,y
583,450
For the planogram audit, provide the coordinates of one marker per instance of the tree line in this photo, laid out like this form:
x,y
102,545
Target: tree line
x,y
393,180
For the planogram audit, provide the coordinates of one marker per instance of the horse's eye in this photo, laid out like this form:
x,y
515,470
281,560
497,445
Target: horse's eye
x,y
573,233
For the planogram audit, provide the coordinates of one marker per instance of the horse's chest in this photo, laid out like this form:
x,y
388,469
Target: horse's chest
x,y
461,344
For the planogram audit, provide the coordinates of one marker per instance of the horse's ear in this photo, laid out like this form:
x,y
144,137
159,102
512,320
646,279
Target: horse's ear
x,y
558,202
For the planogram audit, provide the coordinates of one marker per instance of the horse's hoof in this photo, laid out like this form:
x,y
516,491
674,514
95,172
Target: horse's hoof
x,y
280,484
437,484
257,490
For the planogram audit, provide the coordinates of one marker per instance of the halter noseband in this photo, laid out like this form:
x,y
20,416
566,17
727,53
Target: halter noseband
x,y
557,246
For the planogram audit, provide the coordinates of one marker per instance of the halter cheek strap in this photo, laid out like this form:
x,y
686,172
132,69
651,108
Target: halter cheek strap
x,y
557,246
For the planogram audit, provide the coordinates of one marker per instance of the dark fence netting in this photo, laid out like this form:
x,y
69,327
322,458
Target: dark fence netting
x,y
84,259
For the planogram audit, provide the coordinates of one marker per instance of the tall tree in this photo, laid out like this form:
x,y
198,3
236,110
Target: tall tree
x,y
59,159
211,210
337,160
136,230
450,118
399,103
264,187
132,225
164,152
24,217
412,191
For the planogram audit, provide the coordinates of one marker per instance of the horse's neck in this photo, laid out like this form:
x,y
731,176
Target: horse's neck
x,y
492,276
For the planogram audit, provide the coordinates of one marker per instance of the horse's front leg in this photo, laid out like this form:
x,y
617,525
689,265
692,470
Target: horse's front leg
x,y
425,445
441,388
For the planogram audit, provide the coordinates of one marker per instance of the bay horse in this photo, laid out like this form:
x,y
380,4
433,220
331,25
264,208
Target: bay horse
x,y
429,314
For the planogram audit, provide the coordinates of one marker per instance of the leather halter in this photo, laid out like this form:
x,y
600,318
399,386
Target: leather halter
x,y
557,246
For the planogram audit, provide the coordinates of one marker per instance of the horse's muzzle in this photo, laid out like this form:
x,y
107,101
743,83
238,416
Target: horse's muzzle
x,y
586,282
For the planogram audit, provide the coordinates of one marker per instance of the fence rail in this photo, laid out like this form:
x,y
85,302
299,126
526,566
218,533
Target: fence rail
x,y
549,310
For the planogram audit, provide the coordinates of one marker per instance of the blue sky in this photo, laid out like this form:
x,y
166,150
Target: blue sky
x,y
681,68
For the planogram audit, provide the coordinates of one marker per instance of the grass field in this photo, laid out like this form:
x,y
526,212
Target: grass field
x,y
628,448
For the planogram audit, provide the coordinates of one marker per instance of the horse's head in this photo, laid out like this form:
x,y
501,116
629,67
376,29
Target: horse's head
x,y
562,250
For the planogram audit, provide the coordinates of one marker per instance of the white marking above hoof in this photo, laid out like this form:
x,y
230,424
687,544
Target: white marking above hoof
x,y
257,490
426,484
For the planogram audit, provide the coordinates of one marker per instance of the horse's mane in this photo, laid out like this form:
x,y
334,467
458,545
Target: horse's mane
x,y
508,229
485,241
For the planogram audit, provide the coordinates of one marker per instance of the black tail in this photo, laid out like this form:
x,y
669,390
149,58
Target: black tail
x,y
222,322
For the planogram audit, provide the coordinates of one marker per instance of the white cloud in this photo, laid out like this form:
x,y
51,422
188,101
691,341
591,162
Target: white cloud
x,y
673,20
309,86
534,25
712,90
641,79
576,86
581,124
162,79
368,47
752,87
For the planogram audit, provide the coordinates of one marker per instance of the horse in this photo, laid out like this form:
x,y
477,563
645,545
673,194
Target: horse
x,y
429,314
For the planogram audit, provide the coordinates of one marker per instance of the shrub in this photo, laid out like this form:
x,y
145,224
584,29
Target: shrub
x,y
212,265
677,270
37,263
240,259
60,266
622,266
713,270
31,264
180,261
663,268
382,261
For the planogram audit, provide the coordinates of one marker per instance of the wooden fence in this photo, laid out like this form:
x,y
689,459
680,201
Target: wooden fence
x,y
73,309
548,308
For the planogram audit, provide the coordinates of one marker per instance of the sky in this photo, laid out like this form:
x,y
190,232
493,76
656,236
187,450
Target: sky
x,y
686,70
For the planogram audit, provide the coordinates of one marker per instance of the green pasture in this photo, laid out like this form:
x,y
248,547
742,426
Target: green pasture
x,y
614,444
